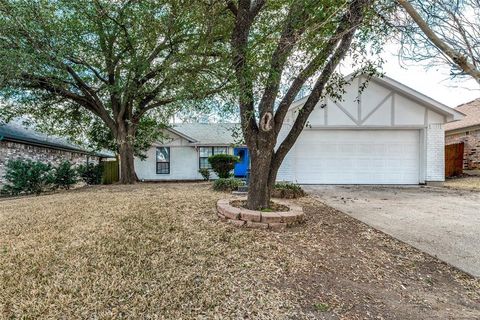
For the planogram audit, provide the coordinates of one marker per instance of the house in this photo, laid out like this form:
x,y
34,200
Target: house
x,y
386,133
19,142
186,149
467,131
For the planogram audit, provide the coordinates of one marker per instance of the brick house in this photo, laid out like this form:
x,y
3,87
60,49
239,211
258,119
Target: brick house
x,y
18,142
467,130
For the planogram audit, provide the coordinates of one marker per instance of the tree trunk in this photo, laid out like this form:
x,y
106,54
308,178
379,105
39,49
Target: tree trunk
x,y
126,157
260,182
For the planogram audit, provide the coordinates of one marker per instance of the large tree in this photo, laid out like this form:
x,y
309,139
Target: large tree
x,y
442,31
120,61
277,47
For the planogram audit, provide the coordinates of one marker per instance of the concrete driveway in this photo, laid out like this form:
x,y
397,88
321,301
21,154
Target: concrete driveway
x,y
442,222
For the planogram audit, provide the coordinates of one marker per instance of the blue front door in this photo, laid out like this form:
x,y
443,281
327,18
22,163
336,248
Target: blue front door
x,y
242,166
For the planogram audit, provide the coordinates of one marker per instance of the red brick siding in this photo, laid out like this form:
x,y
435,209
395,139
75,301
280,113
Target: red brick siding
x,y
12,150
472,147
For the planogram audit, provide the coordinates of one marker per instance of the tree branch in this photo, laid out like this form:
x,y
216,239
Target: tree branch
x,y
457,57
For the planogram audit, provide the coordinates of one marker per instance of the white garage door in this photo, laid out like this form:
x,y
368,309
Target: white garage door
x,y
358,157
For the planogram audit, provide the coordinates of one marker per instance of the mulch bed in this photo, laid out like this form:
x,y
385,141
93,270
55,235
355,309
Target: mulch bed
x,y
273,206
159,251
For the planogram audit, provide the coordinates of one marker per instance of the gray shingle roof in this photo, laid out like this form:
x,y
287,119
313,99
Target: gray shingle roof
x,y
208,133
472,116
15,131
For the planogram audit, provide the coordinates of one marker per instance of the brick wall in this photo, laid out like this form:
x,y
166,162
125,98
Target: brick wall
x,y
471,157
12,150
435,140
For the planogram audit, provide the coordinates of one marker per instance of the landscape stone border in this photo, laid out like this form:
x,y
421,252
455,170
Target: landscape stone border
x,y
275,220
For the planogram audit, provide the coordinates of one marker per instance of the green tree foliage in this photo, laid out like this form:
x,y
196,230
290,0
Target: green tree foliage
x,y
28,177
93,65
223,164
90,173
65,175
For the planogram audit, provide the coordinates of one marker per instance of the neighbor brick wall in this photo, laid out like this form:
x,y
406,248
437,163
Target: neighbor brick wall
x,y
12,150
471,156
435,140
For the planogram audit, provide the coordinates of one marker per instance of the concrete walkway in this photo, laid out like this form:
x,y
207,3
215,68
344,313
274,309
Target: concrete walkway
x,y
442,222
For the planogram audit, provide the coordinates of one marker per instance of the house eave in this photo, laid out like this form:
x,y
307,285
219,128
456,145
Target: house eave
x,y
52,146
462,129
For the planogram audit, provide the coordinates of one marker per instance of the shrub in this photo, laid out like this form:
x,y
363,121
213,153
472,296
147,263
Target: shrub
x,y
28,177
287,190
90,173
223,164
205,172
65,175
228,184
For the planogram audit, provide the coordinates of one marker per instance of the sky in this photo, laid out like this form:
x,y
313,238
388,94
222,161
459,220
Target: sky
x,y
433,82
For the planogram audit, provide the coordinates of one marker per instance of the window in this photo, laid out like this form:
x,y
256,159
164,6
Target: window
x,y
206,152
163,160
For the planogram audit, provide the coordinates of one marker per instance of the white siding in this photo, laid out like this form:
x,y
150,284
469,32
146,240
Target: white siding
x,y
435,151
287,169
183,165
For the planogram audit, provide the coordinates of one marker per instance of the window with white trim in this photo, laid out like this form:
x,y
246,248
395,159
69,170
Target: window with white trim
x,y
205,152
163,160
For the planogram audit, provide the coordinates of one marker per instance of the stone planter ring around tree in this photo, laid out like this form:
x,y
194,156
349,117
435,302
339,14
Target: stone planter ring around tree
x,y
275,220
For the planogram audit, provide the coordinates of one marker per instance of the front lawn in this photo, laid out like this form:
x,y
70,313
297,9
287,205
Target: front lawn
x,y
158,251
464,183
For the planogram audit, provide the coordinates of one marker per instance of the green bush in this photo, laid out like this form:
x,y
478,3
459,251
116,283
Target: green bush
x,y
287,190
65,175
205,172
90,173
223,164
28,177
228,184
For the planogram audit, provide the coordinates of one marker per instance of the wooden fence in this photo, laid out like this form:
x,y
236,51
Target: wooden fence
x,y
454,159
110,172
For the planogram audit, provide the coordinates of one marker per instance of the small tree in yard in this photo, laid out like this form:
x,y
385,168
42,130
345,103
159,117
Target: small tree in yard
x,y
113,64
223,164
277,47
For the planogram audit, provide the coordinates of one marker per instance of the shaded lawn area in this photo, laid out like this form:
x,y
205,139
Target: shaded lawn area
x,y
464,183
158,251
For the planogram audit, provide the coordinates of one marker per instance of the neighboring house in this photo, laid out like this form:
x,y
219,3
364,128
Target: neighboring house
x,y
19,142
389,134
467,131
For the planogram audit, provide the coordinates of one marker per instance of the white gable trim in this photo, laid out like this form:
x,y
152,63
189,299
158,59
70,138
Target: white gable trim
x,y
184,136
399,88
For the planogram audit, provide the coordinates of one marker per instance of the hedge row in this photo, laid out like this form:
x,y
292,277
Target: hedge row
x,y
34,177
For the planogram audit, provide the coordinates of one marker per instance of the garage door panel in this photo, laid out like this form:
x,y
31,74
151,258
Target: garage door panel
x,y
358,157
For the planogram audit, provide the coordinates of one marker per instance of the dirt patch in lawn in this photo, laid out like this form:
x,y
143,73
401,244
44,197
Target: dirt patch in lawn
x,y
464,183
159,251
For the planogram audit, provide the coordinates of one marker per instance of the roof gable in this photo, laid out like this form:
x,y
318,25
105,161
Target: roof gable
x,y
387,82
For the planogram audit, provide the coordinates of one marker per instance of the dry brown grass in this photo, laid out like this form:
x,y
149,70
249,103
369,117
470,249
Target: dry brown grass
x,y
158,251
464,183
